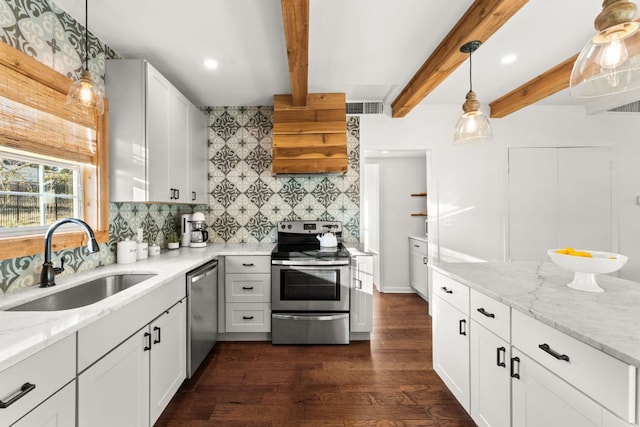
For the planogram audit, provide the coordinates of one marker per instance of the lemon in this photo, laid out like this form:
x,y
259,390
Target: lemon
x,y
583,254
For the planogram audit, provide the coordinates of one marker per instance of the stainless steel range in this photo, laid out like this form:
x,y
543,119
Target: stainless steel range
x,y
310,284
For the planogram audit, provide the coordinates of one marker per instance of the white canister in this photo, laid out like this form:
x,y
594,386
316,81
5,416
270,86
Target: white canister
x,y
142,250
154,250
127,251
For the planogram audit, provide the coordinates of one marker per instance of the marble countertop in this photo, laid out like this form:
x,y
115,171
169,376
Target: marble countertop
x,y
25,333
420,238
608,321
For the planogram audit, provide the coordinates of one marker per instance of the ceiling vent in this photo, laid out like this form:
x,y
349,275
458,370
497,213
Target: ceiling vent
x,y
365,107
633,107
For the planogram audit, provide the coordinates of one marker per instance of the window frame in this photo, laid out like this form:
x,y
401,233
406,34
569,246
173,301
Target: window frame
x,y
95,185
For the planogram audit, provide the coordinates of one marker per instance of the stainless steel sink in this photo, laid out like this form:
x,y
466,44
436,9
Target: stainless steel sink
x,y
84,294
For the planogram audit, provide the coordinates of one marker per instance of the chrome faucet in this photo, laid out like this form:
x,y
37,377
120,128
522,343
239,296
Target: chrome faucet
x,y
48,275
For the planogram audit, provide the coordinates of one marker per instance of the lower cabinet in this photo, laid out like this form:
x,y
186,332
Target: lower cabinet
x,y
247,288
134,382
418,272
361,297
451,348
57,411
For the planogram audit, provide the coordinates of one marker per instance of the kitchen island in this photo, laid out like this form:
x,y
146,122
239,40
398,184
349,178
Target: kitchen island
x,y
512,337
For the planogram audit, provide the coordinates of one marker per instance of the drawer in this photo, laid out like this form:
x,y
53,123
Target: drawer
x,y
604,378
247,287
247,264
492,314
418,245
455,293
248,317
49,370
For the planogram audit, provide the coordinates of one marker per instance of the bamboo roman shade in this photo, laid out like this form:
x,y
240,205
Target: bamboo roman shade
x,y
34,118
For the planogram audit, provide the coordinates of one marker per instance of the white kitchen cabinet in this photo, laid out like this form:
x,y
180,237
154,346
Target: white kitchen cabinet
x,y
361,296
198,156
247,287
418,271
57,411
150,136
451,332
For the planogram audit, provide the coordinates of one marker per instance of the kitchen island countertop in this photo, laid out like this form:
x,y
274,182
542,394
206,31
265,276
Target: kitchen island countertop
x,y
608,321
23,334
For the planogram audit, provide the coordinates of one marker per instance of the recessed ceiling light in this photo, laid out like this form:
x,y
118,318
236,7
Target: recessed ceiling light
x,y
211,64
384,152
508,59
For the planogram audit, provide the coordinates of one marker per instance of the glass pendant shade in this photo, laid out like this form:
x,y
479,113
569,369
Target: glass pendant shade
x,y
472,127
86,94
610,62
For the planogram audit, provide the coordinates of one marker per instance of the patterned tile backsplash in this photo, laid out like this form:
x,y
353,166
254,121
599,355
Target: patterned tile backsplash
x,y
246,201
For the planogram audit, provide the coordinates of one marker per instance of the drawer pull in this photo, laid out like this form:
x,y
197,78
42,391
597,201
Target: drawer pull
x,y
247,317
157,340
26,388
247,288
462,327
547,349
416,246
248,264
147,336
424,260
481,310
501,361
446,291
514,373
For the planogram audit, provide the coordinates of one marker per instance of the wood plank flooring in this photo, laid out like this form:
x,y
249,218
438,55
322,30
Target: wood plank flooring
x,y
388,381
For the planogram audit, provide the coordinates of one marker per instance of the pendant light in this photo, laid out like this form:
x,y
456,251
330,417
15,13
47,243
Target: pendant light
x,y
473,125
610,62
84,92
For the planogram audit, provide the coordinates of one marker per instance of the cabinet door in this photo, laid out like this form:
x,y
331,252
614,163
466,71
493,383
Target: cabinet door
x,y
115,390
57,411
490,379
361,315
451,349
179,146
158,136
198,156
540,398
168,357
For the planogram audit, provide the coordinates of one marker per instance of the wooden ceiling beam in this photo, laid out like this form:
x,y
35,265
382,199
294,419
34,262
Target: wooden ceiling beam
x,y
295,15
546,84
480,22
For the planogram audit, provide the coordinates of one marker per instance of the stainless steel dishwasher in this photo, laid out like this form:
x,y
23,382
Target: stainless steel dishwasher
x,y
202,313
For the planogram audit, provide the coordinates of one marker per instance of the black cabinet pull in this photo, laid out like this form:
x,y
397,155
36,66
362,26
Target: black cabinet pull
x,y
446,291
248,264
461,324
515,374
177,193
247,288
147,336
157,340
424,260
481,310
193,195
247,317
26,388
547,349
501,361
416,246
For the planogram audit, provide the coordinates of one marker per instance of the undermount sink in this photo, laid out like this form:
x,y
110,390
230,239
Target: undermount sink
x,y
84,294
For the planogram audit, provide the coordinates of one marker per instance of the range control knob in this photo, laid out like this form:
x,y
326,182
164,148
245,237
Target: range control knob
x,y
283,226
289,226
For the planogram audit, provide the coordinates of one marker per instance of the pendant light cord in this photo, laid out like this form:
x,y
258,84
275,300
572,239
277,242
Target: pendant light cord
x,y
470,67
86,35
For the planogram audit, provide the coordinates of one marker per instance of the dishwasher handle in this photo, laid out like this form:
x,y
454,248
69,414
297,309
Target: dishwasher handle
x,y
213,269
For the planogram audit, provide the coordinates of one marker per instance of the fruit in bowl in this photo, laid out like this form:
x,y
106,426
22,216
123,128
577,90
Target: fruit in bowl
x,y
586,264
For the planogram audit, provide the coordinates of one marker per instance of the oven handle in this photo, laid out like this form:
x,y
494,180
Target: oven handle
x,y
309,263
303,317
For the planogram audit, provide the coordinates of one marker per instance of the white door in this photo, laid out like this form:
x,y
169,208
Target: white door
x,y
451,349
158,135
168,364
57,411
559,197
361,316
198,156
490,379
179,146
115,390
540,398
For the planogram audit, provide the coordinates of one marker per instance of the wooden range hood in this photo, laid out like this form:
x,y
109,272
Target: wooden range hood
x,y
310,138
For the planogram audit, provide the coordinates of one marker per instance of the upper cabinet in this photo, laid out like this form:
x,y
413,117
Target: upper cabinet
x,y
157,144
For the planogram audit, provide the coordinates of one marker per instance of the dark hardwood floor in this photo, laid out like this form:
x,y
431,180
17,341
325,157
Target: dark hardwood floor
x,y
388,381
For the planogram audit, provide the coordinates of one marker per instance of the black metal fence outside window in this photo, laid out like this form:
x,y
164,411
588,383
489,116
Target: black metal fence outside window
x,y
22,208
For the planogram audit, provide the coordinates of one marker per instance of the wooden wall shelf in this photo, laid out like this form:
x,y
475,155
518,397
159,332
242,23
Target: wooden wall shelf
x,y
419,214
418,194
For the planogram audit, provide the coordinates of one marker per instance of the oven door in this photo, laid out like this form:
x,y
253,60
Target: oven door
x,y
310,287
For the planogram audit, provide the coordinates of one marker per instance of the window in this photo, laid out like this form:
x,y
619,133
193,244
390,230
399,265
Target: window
x,y
53,159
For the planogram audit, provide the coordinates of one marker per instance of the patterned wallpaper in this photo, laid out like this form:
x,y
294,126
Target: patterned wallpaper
x,y
247,201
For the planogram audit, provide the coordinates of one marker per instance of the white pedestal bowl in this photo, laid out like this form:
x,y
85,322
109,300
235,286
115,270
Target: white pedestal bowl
x,y
585,269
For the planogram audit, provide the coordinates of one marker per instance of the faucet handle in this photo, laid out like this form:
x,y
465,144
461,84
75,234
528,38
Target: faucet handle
x,y
58,270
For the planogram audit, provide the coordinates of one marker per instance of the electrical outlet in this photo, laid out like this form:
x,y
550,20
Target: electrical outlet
x,y
448,222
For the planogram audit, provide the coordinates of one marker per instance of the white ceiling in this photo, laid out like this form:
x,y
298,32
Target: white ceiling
x,y
368,49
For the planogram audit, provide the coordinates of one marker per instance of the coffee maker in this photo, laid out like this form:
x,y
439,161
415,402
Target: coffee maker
x,y
185,230
199,236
